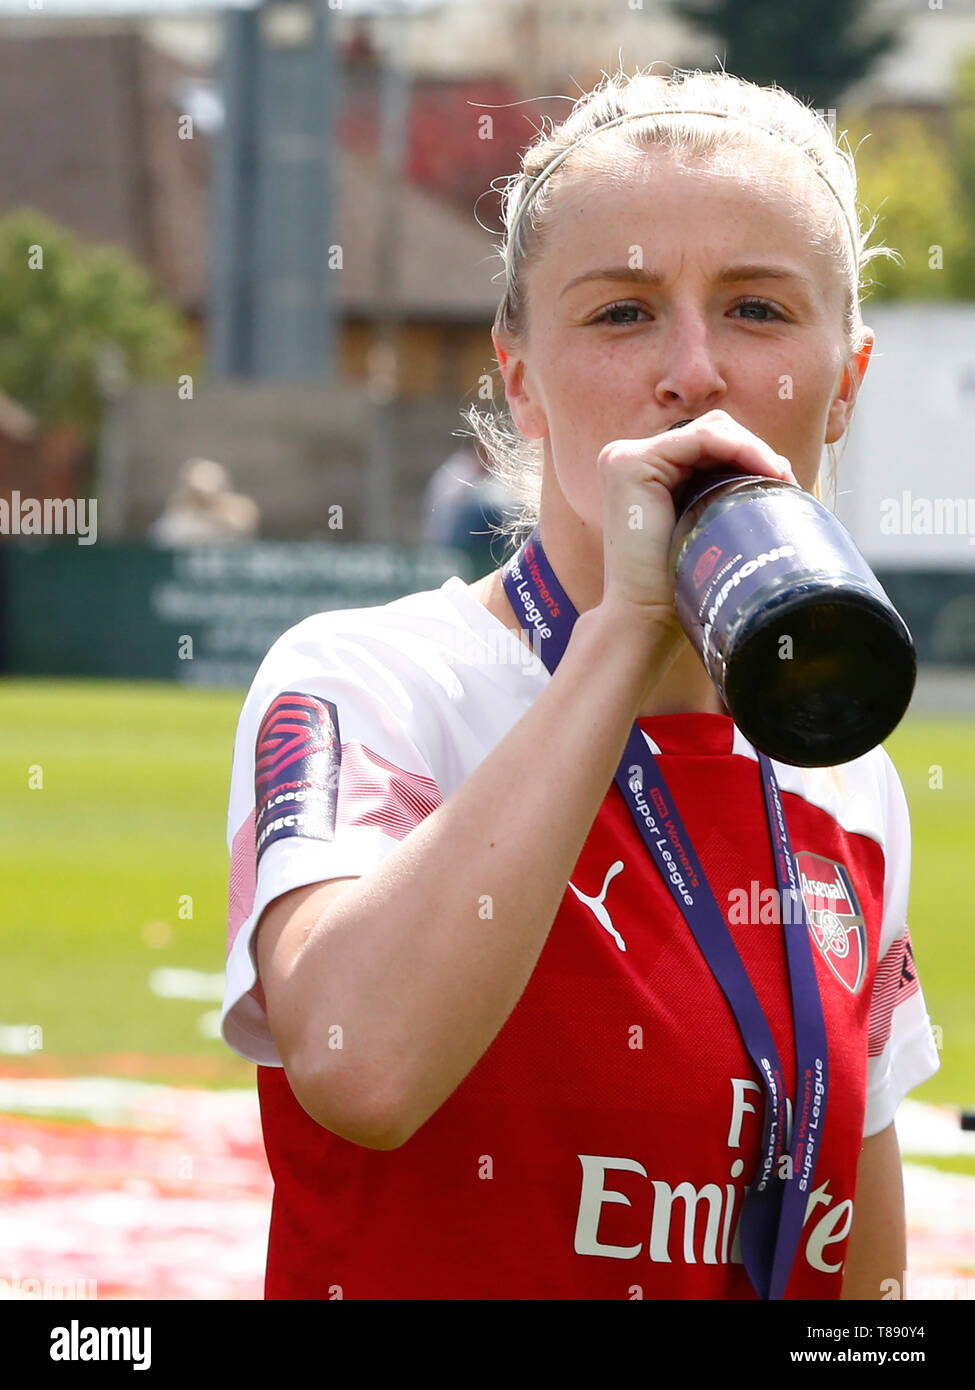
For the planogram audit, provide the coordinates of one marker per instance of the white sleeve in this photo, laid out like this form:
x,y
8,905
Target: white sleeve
x,y
326,781
902,1052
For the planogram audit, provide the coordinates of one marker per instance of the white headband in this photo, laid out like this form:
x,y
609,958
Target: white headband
x,y
670,111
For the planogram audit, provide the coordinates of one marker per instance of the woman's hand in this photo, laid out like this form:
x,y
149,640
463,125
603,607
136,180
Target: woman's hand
x,y
638,478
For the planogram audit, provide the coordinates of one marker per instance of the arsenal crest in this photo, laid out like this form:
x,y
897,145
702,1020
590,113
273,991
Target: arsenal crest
x,y
835,920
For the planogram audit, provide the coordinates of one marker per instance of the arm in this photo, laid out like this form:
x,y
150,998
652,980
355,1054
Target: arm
x,y
422,961
877,1247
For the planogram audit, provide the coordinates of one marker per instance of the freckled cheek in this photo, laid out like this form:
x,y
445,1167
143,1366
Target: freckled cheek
x,y
804,439
589,414
594,391
582,392
575,451
590,403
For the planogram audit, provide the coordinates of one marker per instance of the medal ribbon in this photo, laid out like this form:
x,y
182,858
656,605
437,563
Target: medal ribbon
x,y
774,1209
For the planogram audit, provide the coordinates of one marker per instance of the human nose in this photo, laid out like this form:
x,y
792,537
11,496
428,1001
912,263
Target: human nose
x,y
690,376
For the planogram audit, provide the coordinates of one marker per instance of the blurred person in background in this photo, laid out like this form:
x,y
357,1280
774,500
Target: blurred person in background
x,y
203,509
463,503
448,489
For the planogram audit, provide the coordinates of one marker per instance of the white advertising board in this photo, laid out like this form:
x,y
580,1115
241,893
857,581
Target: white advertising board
x,y
906,473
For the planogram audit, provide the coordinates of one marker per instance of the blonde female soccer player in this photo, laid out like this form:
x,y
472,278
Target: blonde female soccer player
x,y
500,1055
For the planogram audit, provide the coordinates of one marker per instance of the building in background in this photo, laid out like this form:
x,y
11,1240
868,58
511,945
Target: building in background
x,y
96,111
107,160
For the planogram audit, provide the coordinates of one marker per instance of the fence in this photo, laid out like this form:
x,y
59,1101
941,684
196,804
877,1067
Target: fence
x,y
202,616
207,616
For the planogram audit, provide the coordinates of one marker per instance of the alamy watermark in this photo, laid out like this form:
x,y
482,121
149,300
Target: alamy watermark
x,y
908,515
17,1285
50,516
501,647
77,1343
927,1286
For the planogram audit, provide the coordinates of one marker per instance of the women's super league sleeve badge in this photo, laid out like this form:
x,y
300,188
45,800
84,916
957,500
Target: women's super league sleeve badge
x,y
835,918
296,770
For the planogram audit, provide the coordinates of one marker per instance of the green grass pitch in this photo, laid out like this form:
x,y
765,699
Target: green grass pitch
x,y
127,833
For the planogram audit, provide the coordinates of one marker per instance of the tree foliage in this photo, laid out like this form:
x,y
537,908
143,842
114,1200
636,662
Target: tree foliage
x,y
916,171
816,49
906,177
962,137
61,302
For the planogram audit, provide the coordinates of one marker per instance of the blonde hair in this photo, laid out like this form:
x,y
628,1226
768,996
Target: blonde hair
x,y
513,460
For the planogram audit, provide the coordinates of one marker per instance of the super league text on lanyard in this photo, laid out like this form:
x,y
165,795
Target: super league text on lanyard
x,y
775,1205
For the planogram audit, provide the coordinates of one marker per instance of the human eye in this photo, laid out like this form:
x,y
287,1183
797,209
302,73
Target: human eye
x,y
754,303
623,307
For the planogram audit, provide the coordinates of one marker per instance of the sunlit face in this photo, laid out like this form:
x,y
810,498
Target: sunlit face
x,y
673,293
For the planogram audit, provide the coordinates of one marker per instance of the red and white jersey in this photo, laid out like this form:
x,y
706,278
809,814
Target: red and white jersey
x,y
602,1145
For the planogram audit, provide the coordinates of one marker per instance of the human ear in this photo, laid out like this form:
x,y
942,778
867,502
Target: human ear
x,y
519,392
841,408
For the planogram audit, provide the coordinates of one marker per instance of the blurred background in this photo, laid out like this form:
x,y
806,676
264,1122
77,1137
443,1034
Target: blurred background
x,y
247,279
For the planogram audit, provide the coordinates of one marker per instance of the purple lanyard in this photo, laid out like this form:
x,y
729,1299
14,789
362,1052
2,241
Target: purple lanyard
x,y
775,1205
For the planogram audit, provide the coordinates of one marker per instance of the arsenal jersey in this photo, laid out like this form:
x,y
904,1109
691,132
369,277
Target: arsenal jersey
x,y
602,1146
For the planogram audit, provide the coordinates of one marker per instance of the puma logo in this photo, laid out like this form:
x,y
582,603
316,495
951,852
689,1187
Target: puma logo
x,y
598,906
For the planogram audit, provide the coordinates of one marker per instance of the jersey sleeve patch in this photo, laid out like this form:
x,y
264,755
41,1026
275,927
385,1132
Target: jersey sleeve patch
x,y
296,770
896,981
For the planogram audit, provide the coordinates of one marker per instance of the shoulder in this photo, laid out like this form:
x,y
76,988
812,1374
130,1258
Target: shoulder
x,y
373,646
856,795
393,677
